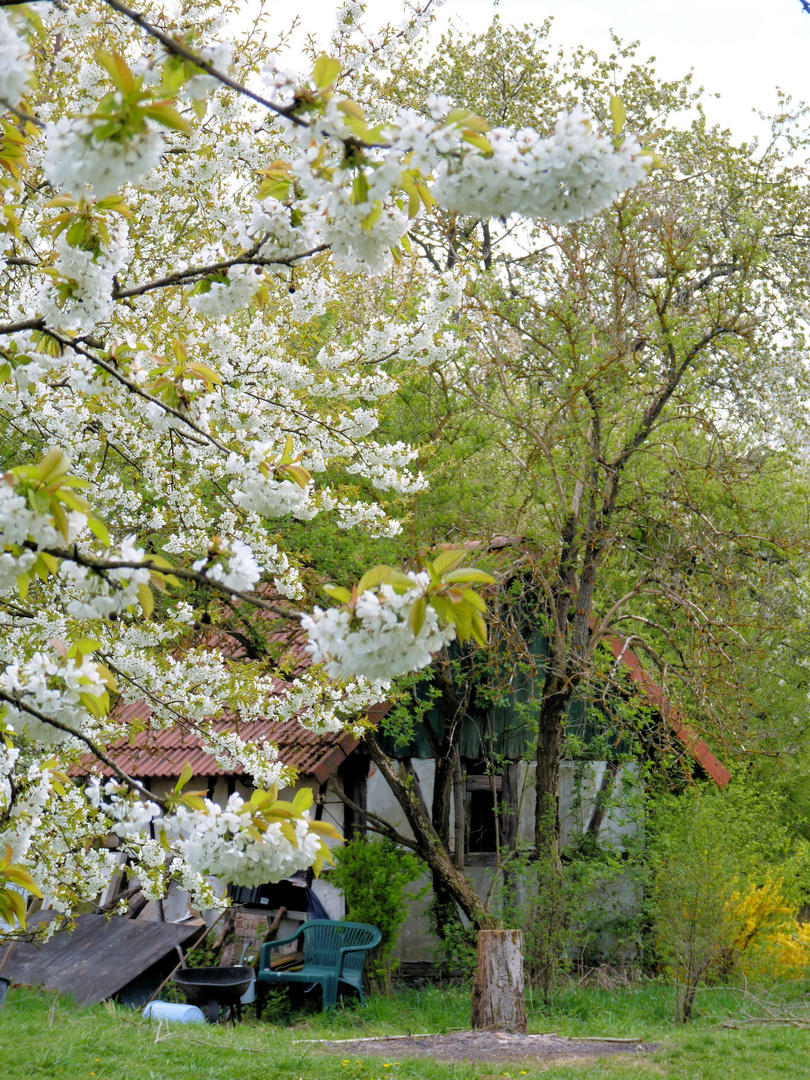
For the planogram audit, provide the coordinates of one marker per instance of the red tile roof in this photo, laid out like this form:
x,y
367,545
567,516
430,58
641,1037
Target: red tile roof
x,y
164,753
154,754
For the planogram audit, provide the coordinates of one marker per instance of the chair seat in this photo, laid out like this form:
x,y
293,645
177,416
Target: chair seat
x,y
308,973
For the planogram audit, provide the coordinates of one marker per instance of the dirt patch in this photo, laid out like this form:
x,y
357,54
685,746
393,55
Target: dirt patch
x,y
484,1046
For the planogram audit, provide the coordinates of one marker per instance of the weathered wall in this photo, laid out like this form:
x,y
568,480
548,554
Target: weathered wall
x,y
579,783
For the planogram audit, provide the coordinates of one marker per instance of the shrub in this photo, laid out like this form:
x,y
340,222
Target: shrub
x,y
374,876
719,867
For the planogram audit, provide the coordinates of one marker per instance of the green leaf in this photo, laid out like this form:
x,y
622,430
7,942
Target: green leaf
x,y
168,116
618,112
147,601
18,876
60,519
93,704
274,187
23,581
478,628
55,464
373,577
185,775
83,647
159,561
14,904
462,617
469,574
472,597
325,828
107,677
288,832
317,866
196,802
351,108
416,616
480,142
302,800
399,580
299,474
337,592
116,67
447,560
98,529
76,233
326,70
444,609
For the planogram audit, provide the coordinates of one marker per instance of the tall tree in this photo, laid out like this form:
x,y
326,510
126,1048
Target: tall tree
x,y
176,366
631,392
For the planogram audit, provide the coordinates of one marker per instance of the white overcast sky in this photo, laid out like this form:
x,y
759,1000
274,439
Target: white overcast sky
x,y
741,49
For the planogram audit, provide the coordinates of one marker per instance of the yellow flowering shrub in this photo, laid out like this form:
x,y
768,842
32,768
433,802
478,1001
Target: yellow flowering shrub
x,y
768,939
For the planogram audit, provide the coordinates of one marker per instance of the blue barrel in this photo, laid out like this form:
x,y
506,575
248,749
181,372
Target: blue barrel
x,y
170,1010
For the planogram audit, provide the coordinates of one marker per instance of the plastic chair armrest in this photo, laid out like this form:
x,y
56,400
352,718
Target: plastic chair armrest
x,y
265,950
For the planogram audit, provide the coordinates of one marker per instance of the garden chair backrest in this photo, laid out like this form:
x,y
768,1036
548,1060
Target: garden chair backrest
x,y
324,940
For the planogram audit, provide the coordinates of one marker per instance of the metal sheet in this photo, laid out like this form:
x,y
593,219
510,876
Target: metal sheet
x,y
100,957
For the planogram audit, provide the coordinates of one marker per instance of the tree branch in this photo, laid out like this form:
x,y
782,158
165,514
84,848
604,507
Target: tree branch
x,y
178,49
100,565
96,750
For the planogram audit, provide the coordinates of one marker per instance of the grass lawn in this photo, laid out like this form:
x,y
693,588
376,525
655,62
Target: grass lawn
x,y
43,1036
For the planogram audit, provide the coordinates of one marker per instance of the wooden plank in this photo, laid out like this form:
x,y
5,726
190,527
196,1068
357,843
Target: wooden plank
x,y
99,957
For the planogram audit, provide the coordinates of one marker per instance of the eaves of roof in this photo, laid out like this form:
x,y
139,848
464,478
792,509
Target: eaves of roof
x,y
654,693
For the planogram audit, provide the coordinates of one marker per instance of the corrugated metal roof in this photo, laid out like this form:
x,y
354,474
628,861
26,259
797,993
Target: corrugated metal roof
x,y
101,956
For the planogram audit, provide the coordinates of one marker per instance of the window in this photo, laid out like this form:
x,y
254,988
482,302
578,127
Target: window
x,y
490,810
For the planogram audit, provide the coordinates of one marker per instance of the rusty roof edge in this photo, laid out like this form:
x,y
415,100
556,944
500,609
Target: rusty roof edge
x,y
331,761
693,743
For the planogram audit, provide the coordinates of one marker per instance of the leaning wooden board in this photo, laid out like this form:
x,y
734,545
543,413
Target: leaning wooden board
x,y
100,957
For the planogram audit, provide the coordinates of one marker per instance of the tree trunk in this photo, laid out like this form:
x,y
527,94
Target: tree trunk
x,y
497,997
428,844
556,695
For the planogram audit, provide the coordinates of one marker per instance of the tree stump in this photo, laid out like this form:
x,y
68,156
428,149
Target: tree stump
x,y
497,995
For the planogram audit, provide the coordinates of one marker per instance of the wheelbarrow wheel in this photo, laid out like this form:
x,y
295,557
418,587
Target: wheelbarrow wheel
x,y
213,1011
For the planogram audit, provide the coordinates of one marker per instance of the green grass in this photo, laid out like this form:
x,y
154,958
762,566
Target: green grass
x,y
44,1037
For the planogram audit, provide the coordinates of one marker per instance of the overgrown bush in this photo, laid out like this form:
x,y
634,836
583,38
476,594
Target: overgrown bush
x,y
456,950
374,876
727,875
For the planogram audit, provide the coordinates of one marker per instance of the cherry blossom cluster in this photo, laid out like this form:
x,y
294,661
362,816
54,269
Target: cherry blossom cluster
x,y
81,296
571,175
15,69
76,157
226,298
224,842
260,491
128,816
374,638
259,761
53,828
21,526
61,690
102,595
233,565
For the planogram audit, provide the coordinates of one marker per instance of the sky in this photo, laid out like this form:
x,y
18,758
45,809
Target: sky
x,y
741,50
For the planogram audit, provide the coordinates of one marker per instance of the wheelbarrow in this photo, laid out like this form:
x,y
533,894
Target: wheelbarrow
x,y
215,989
